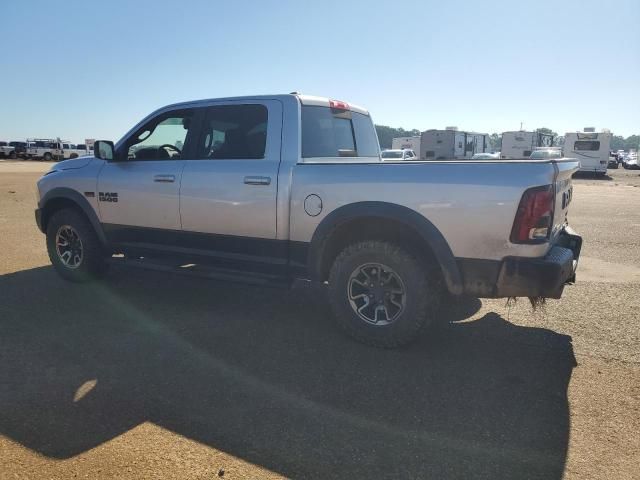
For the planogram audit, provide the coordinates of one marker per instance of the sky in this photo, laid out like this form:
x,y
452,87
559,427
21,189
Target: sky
x,y
83,69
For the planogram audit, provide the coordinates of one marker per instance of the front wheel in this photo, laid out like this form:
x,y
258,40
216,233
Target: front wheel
x,y
47,157
381,294
73,246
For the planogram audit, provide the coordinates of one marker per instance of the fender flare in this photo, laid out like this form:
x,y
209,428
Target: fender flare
x,y
80,201
410,218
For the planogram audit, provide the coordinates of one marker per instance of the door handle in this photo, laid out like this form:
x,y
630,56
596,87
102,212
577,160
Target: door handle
x,y
257,180
164,178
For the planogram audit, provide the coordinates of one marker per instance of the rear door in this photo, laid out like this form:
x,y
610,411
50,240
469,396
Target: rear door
x,y
139,194
229,190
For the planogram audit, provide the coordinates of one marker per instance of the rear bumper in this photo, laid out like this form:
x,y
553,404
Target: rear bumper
x,y
524,276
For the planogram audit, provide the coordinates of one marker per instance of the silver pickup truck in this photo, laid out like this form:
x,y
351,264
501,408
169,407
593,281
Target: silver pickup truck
x,y
272,189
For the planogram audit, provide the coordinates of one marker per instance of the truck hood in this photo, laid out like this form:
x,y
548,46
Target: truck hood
x,y
73,163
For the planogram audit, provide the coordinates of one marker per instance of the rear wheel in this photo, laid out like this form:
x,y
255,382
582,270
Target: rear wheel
x,y
73,246
12,155
381,294
47,157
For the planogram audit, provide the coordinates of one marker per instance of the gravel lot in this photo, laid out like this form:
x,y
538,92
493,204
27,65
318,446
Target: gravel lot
x,y
151,375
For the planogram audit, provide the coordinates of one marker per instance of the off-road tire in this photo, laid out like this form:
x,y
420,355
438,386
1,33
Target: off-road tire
x,y
93,264
422,293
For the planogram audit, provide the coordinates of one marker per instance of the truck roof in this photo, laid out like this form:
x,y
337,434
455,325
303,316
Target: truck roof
x,y
304,99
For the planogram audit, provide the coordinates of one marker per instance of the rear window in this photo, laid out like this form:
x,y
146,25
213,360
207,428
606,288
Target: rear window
x,y
332,133
586,146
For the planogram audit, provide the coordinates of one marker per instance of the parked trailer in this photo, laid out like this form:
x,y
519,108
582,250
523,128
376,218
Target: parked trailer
x,y
452,144
591,148
406,143
520,144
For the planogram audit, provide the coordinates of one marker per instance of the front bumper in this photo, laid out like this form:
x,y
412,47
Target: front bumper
x,y
541,277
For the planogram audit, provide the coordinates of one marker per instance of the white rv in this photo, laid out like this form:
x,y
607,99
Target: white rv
x,y
590,147
406,143
520,144
451,144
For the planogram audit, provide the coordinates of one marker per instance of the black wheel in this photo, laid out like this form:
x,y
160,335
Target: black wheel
x,y
73,246
12,155
47,157
381,294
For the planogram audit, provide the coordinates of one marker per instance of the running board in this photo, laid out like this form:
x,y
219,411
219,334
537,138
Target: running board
x,y
203,271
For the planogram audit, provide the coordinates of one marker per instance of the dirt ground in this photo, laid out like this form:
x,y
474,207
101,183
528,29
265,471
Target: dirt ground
x,y
149,375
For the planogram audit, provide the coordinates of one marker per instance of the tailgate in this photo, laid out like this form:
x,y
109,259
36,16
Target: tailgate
x,y
563,193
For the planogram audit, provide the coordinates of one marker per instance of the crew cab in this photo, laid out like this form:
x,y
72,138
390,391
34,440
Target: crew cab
x,y
275,189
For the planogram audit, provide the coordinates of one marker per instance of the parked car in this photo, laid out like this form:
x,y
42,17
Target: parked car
x,y
5,149
271,189
17,150
399,154
486,156
545,153
631,162
82,150
613,160
45,149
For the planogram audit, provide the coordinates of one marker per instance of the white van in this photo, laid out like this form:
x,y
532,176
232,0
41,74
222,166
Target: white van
x,y
591,148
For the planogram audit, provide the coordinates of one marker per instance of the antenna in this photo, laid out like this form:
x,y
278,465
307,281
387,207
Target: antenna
x,y
520,126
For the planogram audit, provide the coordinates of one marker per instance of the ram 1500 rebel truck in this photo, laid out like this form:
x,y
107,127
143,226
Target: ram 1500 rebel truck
x,y
271,189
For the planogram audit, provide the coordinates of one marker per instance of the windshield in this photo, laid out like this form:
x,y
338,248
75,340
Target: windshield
x,y
391,154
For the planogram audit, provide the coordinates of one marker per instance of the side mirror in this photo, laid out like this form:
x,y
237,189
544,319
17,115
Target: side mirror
x,y
104,149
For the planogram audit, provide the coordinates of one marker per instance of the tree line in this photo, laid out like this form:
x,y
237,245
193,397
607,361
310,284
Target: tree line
x,y
387,134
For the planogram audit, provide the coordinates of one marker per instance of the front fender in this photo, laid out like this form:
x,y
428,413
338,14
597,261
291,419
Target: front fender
x,y
61,193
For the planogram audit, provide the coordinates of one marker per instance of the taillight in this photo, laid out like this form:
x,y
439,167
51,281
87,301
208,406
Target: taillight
x,y
534,217
338,105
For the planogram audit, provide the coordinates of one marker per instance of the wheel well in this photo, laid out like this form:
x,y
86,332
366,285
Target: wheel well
x,y
54,205
374,228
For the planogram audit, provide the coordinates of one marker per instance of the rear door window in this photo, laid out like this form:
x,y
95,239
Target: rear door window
x,y
337,133
234,132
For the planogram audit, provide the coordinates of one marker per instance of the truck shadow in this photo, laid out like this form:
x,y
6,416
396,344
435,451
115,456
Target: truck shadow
x,y
592,176
264,375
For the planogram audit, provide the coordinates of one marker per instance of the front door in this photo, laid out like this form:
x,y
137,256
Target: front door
x,y
138,195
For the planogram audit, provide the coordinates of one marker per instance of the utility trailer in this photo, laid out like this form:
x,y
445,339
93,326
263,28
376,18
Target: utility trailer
x,y
451,144
520,144
406,143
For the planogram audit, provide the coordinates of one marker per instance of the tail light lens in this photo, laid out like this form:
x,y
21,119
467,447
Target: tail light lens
x,y
534,217
338,105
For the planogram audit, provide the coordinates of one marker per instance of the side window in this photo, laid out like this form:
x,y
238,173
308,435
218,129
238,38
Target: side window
x,y
365,132
234,132
162,138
